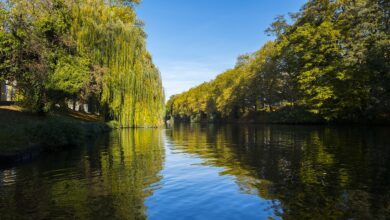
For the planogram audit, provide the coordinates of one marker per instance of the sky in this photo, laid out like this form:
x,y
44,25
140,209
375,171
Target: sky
x,y
192,41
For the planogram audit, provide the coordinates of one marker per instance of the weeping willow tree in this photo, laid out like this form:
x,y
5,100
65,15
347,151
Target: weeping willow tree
x,y
68,50
110,34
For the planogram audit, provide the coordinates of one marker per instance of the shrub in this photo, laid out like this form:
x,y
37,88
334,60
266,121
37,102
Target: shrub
x,y
294,115
56,134
113,124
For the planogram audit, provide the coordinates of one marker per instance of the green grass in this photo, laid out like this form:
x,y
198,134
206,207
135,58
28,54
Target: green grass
x,y
21,131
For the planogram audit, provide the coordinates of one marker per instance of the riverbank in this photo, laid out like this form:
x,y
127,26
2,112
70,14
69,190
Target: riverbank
x,y
24,135
286,115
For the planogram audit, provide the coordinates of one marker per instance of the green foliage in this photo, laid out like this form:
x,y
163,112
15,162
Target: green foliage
x,y
21,132
131,87
86,51
55,134
59,132
70,75
294,115
113,124
333,60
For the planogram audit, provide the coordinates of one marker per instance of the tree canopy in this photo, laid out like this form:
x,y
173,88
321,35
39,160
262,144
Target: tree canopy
x,y
91,51
332,60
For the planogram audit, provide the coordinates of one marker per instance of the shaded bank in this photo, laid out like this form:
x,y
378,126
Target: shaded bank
x,y
285,115
24,136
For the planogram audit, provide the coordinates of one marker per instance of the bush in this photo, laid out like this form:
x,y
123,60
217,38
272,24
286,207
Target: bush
x,y
57,134
113,124
294,115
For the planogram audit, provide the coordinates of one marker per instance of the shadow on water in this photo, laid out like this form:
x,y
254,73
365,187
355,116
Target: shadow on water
x,y
308,172
107,180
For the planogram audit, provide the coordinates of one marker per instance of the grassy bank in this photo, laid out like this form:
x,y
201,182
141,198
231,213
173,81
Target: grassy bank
x,y
24,135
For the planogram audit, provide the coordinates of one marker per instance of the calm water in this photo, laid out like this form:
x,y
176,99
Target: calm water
x,y
209,172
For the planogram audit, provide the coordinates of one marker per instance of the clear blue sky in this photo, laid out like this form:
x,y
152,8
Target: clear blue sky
x,y
192,41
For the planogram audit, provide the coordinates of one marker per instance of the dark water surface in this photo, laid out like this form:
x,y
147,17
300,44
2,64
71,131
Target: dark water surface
x,y
209,172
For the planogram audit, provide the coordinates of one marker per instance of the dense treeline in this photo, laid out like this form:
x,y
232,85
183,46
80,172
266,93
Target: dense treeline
x,y
331,63
92,51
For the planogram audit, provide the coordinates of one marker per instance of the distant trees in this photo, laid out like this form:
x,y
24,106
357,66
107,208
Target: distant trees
x,y
333,60
89,51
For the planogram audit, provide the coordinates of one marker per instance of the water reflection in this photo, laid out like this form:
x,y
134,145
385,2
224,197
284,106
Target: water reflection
x,y
107,180
209,172
308,172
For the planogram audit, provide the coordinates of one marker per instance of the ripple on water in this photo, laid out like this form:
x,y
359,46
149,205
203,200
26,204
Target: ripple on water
x,y
8,177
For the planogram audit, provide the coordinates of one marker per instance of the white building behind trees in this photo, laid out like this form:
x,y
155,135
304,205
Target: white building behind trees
x,y
8,90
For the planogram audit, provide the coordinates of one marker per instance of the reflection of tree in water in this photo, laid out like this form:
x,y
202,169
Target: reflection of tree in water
x,y
309,172
107,182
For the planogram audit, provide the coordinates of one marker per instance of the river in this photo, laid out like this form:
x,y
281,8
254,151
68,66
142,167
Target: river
x,y
208,172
